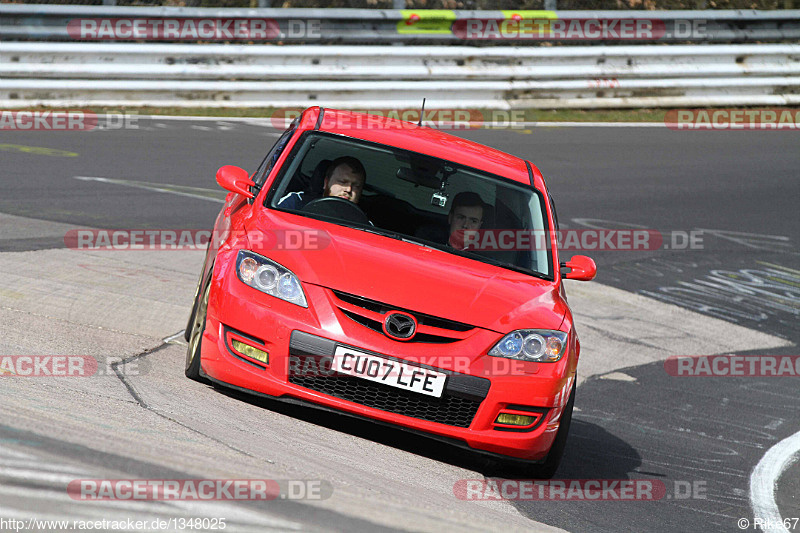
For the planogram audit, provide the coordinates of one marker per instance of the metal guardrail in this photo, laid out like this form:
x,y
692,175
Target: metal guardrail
x,y
383,77
376,26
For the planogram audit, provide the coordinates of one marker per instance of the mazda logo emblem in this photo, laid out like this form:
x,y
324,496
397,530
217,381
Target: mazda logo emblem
x,y
400,326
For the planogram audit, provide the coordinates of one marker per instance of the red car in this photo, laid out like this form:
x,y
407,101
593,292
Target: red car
x,y
396,273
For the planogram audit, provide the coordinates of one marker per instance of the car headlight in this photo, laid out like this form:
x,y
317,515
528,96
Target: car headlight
x,y
269,277
538,345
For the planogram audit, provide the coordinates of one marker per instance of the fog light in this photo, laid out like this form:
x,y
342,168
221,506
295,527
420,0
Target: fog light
x,y
250,351
515,420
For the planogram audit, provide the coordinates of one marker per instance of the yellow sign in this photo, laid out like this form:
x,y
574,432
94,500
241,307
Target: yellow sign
x,y
426,21
525,14
525,21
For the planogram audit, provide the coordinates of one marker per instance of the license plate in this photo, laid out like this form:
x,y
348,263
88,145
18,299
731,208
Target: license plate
x,y
388,371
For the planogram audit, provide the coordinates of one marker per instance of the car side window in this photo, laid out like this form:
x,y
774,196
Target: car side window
x,y
274,154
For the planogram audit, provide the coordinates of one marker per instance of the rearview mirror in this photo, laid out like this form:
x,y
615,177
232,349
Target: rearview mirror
x,y
418,177
235,179
582,268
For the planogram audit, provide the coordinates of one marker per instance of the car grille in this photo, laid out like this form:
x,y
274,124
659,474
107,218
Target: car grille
x,y
451,409
364,311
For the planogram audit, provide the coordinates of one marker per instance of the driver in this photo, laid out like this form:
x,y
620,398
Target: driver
x,y
345,178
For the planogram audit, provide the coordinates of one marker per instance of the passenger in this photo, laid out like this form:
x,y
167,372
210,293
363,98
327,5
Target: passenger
x,y
344,178
466,213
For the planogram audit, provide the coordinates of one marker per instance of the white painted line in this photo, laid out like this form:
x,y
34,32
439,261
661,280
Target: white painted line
x,y
775,424
464,126
155,187
38,475
617,376
8,452
646,330
176,339
256,121
764,479
267,122
58,494
51,467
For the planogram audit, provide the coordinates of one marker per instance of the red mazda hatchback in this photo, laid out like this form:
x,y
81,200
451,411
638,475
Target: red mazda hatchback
x,y
396,273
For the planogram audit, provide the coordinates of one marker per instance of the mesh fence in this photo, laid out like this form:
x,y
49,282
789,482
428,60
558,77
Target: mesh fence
x,y
447,4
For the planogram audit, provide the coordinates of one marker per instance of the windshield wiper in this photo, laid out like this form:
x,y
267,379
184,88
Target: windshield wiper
x,y
503,264
393,235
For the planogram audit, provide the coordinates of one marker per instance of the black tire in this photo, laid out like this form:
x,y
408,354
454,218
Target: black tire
x,y
548,468
198,326
187,333
517,469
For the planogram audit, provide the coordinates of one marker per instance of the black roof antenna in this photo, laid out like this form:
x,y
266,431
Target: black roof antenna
x,y
421,113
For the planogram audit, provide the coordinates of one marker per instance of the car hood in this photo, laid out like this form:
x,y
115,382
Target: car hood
x,y
406,275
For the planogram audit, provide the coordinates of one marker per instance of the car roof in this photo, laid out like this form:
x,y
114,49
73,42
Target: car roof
x,y
422,139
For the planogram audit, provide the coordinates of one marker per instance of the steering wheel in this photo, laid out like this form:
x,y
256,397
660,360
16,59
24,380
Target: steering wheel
x,y
332,206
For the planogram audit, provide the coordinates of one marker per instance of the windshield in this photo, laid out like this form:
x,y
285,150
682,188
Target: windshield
x,y
414,197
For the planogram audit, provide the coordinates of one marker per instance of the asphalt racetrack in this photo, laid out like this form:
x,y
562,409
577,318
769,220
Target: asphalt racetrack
x,y
726,280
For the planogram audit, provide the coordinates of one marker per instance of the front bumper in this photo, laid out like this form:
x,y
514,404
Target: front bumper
x,y
478,387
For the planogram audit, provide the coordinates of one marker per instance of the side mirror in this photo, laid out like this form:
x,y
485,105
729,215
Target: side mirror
x,y
235,179
582,268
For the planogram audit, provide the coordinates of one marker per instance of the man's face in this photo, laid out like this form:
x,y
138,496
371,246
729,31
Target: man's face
x,y
465,217
344,183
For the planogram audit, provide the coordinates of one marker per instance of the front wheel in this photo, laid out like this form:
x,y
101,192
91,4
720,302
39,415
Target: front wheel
x,y
547,469
187,333
198,326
